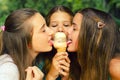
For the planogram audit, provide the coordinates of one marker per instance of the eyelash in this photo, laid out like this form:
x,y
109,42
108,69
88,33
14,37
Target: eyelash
x,y
66,25
43,30
54,25
63,25
74,28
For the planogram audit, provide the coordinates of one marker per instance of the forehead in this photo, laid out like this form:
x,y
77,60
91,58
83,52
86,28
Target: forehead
x,y
37,20
77,20
60,15
78,17
37,17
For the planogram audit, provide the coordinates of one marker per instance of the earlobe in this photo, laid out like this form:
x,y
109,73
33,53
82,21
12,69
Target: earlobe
x,y
29,45
31,31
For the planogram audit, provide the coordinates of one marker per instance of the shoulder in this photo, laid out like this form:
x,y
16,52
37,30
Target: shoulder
x,y
114,69
8,70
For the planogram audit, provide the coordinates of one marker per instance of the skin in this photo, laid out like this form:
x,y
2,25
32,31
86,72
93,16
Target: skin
x,y
38,75
41,42
115,69
74,32
41,35
60,63
60,22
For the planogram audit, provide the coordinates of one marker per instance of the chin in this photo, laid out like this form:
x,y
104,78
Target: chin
x,y
71,49
49,48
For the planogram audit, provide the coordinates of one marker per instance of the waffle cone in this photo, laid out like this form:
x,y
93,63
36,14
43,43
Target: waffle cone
x,y
61,49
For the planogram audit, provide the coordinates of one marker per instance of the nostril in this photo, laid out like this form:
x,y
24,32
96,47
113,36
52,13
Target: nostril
x,y
60,31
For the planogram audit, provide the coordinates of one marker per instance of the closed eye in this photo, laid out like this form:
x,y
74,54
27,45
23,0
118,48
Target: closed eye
x,y
43,28
66,25
74,27
53,25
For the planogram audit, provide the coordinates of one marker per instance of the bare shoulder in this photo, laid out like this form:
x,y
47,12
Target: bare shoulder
x,y
114,69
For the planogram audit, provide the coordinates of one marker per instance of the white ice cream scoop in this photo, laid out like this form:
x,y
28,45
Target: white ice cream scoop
x,y
60,41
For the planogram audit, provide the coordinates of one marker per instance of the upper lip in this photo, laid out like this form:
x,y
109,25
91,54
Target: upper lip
x,y
50,40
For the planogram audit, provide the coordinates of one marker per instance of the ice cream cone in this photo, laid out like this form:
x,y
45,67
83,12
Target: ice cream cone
x,y
61,49
60,42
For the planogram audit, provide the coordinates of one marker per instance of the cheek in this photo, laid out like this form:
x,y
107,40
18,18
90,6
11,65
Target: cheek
x,y
75,40
66,29
76,44
37,42
54,29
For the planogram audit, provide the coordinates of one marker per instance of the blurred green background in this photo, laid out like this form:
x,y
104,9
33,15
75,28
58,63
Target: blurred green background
x,y
111,6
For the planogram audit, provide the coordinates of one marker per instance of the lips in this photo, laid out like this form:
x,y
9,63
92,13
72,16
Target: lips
x,y
50,42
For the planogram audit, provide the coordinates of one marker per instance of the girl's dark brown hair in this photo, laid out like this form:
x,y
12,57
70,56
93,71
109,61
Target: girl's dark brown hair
x,y
58,8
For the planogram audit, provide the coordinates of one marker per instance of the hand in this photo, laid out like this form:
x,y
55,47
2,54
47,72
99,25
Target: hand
x,y
58,63
34,73
65,68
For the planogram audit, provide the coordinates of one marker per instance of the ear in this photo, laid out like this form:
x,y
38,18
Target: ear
x,y
31,31
30,45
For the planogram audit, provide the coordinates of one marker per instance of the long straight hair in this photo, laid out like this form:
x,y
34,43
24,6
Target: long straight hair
x,y
16,38
96,44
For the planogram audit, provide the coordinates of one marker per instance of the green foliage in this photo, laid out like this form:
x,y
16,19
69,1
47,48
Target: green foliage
x,y
6,8
117,2
45,5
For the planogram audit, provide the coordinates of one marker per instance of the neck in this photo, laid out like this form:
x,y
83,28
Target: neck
x,y
33,54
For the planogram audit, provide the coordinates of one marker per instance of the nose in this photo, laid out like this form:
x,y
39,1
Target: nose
x,y
70,30
60,29
50,31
